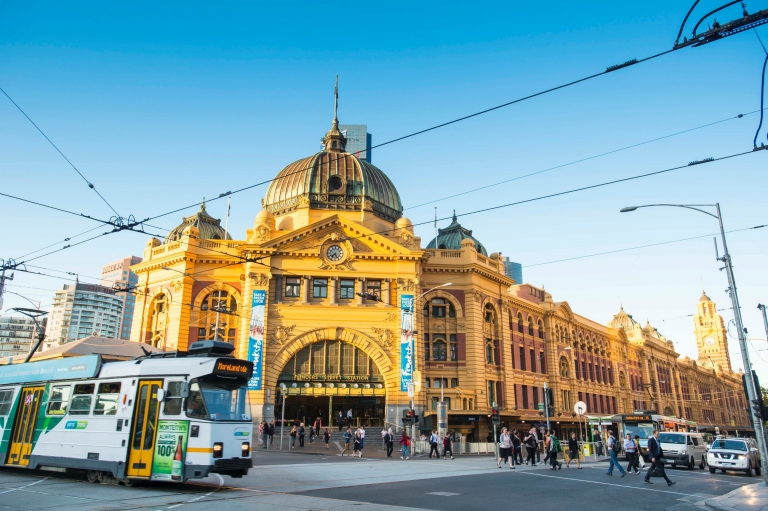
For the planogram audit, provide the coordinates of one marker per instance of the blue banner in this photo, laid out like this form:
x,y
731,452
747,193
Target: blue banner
x,y
256,337
407,360
70,368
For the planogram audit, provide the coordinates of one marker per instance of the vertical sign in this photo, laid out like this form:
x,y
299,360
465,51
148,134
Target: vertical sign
x,y
407,361
170,451
256,337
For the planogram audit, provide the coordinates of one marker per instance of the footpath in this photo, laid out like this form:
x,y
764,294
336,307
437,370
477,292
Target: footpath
x,y
753,497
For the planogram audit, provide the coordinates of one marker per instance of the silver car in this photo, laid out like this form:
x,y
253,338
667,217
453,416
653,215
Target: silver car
x,y
739,454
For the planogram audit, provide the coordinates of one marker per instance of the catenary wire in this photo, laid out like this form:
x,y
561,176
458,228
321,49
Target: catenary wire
x,y
739,116
90,185
59,242
80,215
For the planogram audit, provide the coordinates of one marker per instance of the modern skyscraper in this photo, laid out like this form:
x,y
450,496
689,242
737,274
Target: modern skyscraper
x,y
17,334
359,141
513,270
80,310
119,274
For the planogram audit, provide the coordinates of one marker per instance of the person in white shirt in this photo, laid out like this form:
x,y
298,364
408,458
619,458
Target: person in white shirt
x,y
434,440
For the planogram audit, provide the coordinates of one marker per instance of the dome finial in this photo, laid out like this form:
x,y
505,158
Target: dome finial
x,y
334,141
454,215
202,205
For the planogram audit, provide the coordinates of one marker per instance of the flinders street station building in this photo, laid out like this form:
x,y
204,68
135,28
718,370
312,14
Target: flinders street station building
x,y
341,306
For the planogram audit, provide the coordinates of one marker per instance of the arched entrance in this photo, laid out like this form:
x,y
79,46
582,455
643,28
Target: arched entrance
x,y
331,377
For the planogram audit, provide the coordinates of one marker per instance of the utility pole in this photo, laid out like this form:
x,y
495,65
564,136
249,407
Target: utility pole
x,y
3,278
765,318
546,406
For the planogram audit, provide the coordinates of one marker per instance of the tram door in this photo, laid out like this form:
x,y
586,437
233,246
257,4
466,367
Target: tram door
x,y
144,428
24,426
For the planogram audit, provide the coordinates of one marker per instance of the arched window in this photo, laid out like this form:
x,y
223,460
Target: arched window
x,y
530,326
451,311
520,322
490,315
439,350
490,351
540,326
221,304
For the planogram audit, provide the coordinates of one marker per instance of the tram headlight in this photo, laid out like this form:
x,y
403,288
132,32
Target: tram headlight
x,y
218,449
246,447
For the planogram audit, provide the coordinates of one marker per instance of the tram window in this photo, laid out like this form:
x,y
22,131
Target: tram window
x,y
172,404
81,402
106,400
57,403
6,399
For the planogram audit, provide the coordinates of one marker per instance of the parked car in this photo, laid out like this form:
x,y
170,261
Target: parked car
x,y
734,454
681,448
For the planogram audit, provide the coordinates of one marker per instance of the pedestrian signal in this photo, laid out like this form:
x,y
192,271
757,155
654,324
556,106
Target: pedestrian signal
x,y
495,417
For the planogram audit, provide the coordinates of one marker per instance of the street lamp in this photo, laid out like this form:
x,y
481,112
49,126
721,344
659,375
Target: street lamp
x,y
758,423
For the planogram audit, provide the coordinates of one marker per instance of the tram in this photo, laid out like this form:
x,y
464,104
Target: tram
x,y
164,416
643,425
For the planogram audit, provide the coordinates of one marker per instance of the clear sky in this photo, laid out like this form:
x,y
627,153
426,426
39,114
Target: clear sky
x,y
161,104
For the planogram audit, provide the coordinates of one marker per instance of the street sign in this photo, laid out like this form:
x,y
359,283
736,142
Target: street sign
x,y
580,408
410,390
541,407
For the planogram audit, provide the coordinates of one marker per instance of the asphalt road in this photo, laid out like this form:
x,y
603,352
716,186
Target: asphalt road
x,y
281,482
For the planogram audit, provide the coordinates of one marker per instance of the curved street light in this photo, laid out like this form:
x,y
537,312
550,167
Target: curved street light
x,y
758,423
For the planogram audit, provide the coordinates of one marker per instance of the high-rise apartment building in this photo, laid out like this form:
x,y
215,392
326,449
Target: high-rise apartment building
x,y
118,274
17,334
513,270
359,141
80,310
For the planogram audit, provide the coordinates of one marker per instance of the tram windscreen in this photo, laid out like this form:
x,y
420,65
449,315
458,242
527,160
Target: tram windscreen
x,y
218,403
641,429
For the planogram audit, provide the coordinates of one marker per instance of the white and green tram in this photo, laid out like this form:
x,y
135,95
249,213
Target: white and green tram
x,y
165,416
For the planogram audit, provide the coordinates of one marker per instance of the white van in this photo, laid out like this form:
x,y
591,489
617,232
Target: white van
x,y
681,448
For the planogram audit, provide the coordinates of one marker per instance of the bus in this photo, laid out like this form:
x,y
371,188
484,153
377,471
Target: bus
x,y
164,416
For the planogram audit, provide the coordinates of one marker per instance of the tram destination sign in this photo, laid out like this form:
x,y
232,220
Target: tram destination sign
x,y
233,367
70,368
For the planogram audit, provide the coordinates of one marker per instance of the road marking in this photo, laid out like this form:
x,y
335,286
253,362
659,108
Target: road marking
x,y
442,493
608,484
27,486
337,444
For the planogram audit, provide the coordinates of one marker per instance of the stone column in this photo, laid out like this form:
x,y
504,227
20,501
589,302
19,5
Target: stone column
x,y
359,283
305,289
332,290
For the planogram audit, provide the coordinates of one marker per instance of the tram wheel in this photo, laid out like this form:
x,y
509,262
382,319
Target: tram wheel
x,y
93,476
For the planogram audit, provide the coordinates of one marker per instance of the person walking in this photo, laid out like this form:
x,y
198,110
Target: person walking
x,y
384,436
362,440
505,449
433,442
358,444
655,452
294,432
327,437
517,447
598,439
341,419
573,451
405,443
553,447
530,445
312,434
614,448
347,441
447,446
389,442
261,433
630,449
302,434
349,417
640,459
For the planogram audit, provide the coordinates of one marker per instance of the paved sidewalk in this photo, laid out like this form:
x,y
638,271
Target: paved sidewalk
x,y
753,497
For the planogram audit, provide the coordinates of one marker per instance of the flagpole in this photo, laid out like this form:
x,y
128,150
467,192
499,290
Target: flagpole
x,y
437,245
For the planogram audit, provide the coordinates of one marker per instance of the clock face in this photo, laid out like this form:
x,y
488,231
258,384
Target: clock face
x,y
334,253
709,340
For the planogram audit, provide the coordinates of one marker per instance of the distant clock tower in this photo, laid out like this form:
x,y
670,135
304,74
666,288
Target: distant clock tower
x,y
711,338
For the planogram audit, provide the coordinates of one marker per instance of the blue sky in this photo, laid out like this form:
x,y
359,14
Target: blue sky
x,y
160,105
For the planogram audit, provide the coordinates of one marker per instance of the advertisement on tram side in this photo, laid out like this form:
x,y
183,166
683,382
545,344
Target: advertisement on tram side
x,y
170,450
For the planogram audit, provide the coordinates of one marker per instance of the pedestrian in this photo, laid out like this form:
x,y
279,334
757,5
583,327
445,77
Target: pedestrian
x,y
261,433
358,443
447,446
347,440
349,417
630,449
573,451
405,443
505,448
294,432
530,445
384,436
517,446
362,440
389,442
490,438
341,419
553,447
302,433
614,448
598,442
312,434
434,440
271,432
655,452
640,459
538,434
327,437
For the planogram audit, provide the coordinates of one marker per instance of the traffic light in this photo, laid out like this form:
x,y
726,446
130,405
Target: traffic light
x,y
409,416
495,417
757,406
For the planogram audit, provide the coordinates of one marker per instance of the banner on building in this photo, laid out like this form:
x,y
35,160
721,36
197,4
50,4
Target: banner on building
x,y
170,450
256,337
407,360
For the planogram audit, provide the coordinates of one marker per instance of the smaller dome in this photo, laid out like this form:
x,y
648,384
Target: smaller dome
x,y
451,237
264,215
704,297
210,228
404,223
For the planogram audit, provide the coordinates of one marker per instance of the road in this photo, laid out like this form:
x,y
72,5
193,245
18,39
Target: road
x,y
316,482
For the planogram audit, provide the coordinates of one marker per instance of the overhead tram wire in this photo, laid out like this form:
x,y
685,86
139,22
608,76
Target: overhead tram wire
x,y
739,116
90,184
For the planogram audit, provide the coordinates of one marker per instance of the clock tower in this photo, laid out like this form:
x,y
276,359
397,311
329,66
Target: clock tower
x,y
711,339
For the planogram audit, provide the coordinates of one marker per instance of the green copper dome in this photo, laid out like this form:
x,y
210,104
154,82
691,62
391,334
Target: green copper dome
x,y
210,228
450,237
